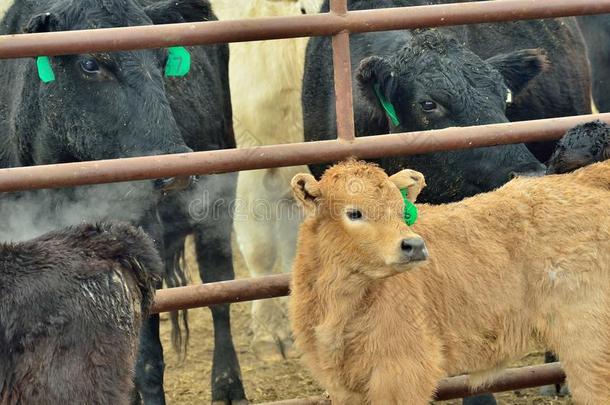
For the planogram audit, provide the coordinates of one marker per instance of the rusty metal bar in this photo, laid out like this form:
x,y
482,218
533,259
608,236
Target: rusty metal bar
x,y
342,69
160,36
456,387
230,160
204,295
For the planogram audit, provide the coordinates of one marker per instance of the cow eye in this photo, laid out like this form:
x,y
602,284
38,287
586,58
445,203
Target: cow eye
x,y
354,215
90,66
428,105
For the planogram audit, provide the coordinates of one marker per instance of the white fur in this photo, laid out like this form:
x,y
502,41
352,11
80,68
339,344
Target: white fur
x,y
265,80
4,6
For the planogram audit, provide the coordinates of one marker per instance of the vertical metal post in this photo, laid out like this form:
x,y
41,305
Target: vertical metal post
x,y
343,77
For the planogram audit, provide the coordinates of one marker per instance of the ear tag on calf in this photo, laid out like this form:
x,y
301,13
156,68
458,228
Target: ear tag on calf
x,y
509,96
178,62
45,70
410,213
387,106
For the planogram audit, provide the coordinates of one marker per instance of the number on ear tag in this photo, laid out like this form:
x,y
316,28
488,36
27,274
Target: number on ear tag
x,y
178,62
410,213
45,70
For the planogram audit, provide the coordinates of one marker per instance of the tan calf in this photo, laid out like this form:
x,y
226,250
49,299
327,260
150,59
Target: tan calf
x,y
523,267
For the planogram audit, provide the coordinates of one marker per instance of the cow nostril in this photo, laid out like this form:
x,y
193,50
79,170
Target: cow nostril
x,y
414,249
406,246
173,183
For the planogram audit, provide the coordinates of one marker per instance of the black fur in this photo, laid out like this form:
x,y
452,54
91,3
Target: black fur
x,y
580,146
596,31
466,70
130,109
71,307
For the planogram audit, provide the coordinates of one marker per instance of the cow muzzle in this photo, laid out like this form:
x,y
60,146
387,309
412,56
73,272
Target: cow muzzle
x,y
173,183
413,250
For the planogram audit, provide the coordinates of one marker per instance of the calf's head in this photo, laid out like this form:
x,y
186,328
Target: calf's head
x,y
359,216
435,82
105,105
580,146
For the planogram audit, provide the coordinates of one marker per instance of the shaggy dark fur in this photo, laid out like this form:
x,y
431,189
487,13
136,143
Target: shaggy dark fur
x,y
581,146
128,108
71,307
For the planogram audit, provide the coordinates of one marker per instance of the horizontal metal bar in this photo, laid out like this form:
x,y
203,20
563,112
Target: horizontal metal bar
x,y
203,295
160,36
230,160
456,387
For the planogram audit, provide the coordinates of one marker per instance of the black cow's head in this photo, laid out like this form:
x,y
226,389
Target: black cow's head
x,y
580,146
107,105
435,82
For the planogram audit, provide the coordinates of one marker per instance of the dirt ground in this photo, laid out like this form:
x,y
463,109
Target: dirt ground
x,y
188,382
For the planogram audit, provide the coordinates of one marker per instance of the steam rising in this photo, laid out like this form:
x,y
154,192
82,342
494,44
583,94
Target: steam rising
x,y
30,214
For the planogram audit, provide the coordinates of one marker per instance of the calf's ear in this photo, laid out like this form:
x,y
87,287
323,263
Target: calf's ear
x,y
306,190
520,67
411,180
377,82
172,11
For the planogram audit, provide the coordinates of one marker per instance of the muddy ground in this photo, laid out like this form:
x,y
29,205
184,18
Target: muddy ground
x,y
188,382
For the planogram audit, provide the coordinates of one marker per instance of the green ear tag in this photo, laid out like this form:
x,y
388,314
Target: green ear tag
x,y
387,106
178,62
45,70
410,209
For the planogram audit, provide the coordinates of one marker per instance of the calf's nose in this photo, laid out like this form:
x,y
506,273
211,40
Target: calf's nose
x,y
414,249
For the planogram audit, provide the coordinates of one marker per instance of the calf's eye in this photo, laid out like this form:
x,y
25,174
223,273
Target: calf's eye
x,y
90,66
428,106
354,215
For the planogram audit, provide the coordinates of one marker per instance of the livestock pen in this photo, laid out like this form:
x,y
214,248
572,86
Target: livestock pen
x,y
339,23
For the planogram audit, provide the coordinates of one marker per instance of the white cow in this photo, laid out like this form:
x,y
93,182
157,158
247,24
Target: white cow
x,y
265,80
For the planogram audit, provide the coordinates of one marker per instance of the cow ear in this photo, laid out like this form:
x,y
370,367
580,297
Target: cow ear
x,y
45,22
520,67
606,149
377,82
411,180
172,11
306,191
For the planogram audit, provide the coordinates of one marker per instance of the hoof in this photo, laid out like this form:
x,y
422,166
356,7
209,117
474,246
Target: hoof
x,y
269,352
289,350
555,391
233,402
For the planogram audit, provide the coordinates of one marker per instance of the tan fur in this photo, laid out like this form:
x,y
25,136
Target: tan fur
x,y
265,81
523,267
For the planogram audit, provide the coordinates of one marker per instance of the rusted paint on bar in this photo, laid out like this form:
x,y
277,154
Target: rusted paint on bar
x,y
151,167
203,295
343,87
338,7
342,73
160,36
455,387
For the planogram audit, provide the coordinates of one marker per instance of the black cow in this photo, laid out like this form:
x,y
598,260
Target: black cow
x,y
112,105
580,146
513,54
596,31
72,304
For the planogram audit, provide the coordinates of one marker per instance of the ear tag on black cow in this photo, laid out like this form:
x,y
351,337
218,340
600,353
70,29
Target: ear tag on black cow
x,y
45,70
410,214
178,62
387,106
